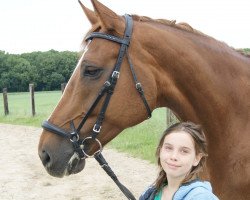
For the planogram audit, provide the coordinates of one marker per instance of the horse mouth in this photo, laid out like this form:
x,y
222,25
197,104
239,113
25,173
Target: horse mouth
x,y
75,165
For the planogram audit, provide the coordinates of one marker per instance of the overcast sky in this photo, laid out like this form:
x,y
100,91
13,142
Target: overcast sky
x,y
41,25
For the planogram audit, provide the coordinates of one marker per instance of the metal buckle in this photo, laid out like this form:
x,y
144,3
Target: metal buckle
x,y
138,86
97,130
107,83
97,152
74,137
115,74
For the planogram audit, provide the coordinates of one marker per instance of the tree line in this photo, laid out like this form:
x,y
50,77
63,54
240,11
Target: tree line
x,y
46,70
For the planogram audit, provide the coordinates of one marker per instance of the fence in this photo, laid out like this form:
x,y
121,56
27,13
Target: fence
x,y
32,99
170,117
5,101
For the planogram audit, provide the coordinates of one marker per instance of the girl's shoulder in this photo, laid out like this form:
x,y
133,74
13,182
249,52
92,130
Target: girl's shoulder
x,y
200,193
196,190
148,194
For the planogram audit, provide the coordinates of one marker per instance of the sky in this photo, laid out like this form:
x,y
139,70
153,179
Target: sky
x,y
41,25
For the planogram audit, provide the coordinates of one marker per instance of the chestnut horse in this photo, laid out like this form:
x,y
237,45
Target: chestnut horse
x,y
199,78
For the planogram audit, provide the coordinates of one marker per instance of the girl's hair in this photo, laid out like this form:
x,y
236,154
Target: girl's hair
x,y
200,147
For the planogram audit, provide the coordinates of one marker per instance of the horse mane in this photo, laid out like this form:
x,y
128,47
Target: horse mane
x,y
182,26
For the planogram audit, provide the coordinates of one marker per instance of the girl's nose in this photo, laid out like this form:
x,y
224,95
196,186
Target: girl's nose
x,y
174,155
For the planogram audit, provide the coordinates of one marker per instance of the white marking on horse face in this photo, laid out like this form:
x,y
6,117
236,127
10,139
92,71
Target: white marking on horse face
x,y
66,173
80,60
73,157
77,66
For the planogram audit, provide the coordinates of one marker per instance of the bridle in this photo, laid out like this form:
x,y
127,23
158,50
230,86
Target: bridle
x,y
108,89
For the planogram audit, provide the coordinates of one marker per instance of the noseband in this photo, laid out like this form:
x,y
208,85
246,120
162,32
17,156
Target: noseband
x,y
108,89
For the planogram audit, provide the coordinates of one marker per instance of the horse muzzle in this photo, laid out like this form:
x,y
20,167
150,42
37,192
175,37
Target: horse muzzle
x,y
61,163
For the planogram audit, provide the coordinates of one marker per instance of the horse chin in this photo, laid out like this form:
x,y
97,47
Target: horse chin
x,y
75,165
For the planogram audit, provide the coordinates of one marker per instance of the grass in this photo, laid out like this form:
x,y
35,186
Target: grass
x,y
20,107
138,141
142,139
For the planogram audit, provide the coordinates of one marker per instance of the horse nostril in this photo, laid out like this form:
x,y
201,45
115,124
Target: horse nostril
x,y
45,158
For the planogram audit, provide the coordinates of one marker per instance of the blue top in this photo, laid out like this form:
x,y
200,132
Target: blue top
x,y
194,190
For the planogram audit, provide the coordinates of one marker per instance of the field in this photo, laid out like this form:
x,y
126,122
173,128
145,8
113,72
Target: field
x,y
139,141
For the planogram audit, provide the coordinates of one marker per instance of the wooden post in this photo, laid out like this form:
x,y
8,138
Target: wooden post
x,y
63,85
171,118
31,89
5,101
168,117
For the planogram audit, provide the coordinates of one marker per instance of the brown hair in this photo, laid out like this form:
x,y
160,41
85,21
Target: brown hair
x,y
200,147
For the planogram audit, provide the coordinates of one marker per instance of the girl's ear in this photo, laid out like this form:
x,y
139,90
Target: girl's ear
x,y
197,159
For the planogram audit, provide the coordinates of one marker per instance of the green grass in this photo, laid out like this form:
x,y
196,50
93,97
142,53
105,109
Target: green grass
x,y
138,141
142,139
20,107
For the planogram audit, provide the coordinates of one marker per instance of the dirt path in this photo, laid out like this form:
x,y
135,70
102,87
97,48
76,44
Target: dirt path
x,y
22,176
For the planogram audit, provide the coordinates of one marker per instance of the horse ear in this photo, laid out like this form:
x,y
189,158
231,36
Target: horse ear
x,y
109,19
89,14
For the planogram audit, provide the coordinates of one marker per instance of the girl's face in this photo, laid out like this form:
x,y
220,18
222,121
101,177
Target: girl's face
x,y
177,155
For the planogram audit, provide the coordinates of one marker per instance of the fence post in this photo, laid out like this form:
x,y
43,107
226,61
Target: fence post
x,y
5,101
168,117
31,89
63,85
171,118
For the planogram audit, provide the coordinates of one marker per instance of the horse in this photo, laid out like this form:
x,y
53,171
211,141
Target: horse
x,y
199,78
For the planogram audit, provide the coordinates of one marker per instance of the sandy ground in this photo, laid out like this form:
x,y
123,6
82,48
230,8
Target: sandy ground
x,y
22,176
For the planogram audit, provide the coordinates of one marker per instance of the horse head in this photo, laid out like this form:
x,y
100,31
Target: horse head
x,y
94,68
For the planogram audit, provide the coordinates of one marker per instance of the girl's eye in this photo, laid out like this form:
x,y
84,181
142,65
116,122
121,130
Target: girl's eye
x,y
92,72
168,148
184,151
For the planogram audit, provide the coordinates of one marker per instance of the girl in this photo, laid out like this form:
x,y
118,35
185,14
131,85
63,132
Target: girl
x,y
181,154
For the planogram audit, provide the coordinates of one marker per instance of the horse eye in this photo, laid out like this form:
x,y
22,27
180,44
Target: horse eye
x,y
92,72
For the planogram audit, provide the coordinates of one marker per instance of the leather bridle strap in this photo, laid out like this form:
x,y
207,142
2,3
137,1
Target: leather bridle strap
x,y
138,85
125,41
103,163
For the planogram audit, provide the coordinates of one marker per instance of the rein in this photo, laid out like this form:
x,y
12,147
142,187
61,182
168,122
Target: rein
x,y
108,89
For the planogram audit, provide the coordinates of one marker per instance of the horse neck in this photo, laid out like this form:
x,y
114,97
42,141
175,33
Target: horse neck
x,y
200,78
